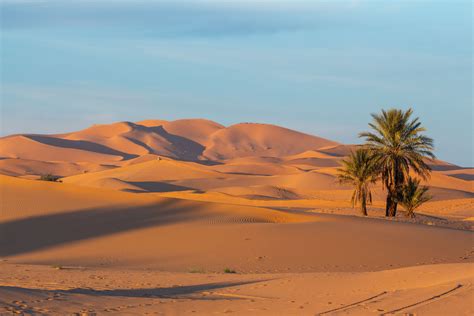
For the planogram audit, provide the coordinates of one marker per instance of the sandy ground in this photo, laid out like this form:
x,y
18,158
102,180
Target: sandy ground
x,y
426,290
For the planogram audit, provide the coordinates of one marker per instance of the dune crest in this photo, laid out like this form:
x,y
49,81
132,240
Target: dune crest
x,y
252,139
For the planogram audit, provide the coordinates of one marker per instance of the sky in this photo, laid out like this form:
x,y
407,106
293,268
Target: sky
x,y
320,67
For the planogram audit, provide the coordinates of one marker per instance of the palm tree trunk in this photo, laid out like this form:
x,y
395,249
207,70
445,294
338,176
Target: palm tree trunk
x,y
388,204
393,209
363,207
396,187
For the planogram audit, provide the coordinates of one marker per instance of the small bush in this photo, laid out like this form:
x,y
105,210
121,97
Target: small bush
x,y
50,177
196,270
228,270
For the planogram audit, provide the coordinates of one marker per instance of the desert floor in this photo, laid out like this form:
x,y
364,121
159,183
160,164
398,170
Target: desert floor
x,y
149,216
443,289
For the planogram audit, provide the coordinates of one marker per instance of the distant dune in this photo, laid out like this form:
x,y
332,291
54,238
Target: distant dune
x,y
243,140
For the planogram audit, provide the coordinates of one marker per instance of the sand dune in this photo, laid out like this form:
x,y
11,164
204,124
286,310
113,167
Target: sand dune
x,y
153,171
197,130
113,142
260,140
338,150
311,154
46,149
263,192
463,174
140,140
242,178
443,194
440,180
457,208
267,169
440,165
25,198
24,167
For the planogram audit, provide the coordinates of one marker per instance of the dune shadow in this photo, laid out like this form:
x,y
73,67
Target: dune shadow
x,y
174,292
315,162
463,176
40,232
440,194
208,162
247,174
152,186
80,145
447,167
188,149
169,292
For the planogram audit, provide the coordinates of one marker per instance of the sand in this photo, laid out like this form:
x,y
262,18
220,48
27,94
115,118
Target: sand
x,y
149,215
426,290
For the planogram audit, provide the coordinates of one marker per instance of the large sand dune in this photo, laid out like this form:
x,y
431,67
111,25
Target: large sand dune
x,y
249,139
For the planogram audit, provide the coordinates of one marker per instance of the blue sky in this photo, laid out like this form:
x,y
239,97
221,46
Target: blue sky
x,y
316,66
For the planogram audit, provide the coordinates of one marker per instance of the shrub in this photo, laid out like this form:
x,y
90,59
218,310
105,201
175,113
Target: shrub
x,y
50,177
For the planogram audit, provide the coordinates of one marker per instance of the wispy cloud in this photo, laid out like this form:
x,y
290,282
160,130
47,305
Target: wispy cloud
x,y
174,18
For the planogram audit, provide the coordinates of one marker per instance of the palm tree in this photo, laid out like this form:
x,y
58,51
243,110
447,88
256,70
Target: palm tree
x,y
358,170
397,146
413,195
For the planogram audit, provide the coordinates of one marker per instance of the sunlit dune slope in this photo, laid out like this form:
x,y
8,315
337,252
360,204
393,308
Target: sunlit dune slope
x,y
181,139
24,167
147,174
260,140
49,148
23,198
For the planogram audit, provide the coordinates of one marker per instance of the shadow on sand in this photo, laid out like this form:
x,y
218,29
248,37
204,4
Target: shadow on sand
x,y
156,186
174,292
35,233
